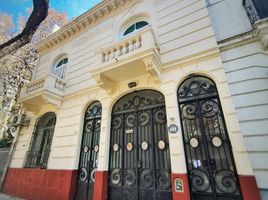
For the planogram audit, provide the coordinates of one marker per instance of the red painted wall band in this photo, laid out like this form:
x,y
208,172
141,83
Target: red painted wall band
x,y
40,184
184,194
249,188
101,186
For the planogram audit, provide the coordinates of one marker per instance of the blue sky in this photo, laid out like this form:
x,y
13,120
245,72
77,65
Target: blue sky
x,y
73,8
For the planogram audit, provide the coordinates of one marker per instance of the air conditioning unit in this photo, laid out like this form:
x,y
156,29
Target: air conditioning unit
x,y
18,120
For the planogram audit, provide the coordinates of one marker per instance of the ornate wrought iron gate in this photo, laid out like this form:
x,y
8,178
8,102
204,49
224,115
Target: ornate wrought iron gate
x,y
211,168
89,153
139,165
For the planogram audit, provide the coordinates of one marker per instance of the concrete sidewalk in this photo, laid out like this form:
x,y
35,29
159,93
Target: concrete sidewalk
x,y
7,197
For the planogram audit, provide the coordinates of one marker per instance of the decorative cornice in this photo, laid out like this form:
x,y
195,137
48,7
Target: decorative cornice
x,y
262,32
81,22
237,40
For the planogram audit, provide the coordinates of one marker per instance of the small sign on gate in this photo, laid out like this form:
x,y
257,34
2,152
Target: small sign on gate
x,y
129,131
178,185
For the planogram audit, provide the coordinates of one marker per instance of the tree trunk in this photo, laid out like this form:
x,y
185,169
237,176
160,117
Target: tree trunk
x,y
39,14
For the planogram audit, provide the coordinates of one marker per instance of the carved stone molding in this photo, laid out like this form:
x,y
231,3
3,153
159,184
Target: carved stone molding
x,y
52,99
105,83
153,67
262,31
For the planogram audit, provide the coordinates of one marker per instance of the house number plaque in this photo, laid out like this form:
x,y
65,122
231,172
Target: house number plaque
x,y
172,128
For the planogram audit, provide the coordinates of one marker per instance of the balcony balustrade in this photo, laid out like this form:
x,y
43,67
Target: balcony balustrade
x,y
256,9
49,89
134,56
126,46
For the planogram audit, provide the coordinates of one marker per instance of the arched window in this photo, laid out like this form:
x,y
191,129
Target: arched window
x,y
134,27
38,153
59,69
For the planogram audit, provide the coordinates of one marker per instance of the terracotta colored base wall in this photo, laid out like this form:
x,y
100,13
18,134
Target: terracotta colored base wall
x,y
184,194
249,188
101,185
40,184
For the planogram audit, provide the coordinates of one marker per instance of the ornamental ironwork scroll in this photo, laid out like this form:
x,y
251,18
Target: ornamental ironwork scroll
x,y
139,165
89,152
211,168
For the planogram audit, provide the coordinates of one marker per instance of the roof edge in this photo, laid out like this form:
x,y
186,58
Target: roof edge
x,y
81,22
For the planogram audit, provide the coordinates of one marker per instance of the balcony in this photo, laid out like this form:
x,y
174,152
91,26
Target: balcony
x,y
134,56
38,92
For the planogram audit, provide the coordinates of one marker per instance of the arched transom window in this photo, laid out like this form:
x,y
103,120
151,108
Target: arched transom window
x,y
134,27
59,69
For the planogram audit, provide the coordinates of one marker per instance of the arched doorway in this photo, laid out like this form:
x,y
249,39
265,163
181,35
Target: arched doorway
x,y
89,152
139,166
211,168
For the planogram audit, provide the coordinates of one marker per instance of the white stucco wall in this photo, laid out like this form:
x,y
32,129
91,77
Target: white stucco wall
x,y
246,68
228,18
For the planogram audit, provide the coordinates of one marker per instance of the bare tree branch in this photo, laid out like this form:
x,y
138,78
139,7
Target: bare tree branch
x,y
40,12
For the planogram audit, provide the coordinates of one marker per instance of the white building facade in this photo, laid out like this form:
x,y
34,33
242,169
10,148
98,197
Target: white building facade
x,y
148,99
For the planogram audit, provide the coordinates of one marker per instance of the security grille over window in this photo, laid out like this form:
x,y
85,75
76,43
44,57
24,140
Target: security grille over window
x,y
89,152
210,163
135,27
251,11
60,67
39,151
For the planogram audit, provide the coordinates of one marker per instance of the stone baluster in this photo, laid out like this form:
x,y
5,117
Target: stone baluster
x,y
139,43
109,55
114,52
124,49
119,51
131,46
127,47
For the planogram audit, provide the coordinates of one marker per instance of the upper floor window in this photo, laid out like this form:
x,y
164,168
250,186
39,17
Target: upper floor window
x,y
39,150
134,27
59,69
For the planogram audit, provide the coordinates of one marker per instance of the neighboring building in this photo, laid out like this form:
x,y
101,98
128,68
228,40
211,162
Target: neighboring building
x,y
149,99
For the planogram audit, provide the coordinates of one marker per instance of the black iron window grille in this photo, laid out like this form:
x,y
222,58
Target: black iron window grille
x,y
211,168
39,150
251,11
